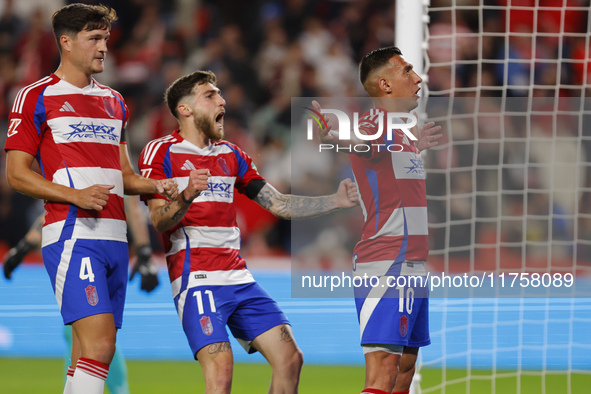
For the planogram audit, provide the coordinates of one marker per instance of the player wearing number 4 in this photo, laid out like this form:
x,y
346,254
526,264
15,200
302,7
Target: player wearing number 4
x,y
210,283
393,320
74,127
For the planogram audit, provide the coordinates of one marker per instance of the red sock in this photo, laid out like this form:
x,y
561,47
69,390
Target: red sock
x,y
93,368
70,372
401,392
374,391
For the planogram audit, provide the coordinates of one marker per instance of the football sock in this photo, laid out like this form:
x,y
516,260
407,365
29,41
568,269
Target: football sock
x,y
401,392
374,391
69,377
89,377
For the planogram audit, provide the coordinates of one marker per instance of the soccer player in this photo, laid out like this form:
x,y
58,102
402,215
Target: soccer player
x,y
74,127
210,283
391,180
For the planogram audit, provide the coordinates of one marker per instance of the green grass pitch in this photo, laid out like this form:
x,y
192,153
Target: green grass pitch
x,y
39,376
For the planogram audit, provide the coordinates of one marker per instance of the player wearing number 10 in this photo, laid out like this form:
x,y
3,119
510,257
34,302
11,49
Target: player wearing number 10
x,y
393,320
210,283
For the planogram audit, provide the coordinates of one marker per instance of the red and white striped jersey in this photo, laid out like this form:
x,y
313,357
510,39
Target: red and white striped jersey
x,y
75,134
209,229
391,183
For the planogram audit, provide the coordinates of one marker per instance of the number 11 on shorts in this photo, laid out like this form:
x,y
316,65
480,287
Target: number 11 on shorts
x,y
199,298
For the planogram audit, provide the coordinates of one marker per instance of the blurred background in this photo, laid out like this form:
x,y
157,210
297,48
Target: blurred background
x,y
266,52
509,188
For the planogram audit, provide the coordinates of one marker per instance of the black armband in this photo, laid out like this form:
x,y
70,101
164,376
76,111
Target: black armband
x,y
254,187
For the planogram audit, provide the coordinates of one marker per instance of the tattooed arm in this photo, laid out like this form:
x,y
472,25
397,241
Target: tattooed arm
x,y
288,206
167,214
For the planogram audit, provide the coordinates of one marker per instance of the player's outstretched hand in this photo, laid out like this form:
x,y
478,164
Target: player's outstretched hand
x,y
346,196
198,182
426,137
147,269
325,135
93,197
168,188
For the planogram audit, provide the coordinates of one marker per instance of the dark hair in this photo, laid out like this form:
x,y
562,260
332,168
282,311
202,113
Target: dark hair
x,y
376,59
183,87
74,18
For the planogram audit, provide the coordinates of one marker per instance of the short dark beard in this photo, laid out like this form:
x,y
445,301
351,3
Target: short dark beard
x,y
208,128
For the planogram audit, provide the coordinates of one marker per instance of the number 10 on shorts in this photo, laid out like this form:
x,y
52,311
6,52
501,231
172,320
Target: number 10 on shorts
x,y
410,299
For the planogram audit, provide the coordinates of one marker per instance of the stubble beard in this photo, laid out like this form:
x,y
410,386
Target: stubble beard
x,y
207,127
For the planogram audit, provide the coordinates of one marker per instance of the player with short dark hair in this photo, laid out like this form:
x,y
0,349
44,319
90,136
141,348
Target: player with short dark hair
x,y
211,286
74,127
393,320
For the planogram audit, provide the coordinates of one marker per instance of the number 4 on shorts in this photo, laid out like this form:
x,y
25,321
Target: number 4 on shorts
x,y
86,270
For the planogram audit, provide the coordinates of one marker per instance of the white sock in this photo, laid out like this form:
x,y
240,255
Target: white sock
x,y
69,377
89,377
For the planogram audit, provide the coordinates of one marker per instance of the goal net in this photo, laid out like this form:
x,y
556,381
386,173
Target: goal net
x,y
509,194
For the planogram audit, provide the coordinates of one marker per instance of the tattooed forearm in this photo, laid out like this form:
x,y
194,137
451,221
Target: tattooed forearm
x,y
287,206
170,214
286,335
219,347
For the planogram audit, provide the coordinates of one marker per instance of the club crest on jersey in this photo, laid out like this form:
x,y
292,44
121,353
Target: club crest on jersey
x,y
403,325
206,326
224,166
91,295
109,107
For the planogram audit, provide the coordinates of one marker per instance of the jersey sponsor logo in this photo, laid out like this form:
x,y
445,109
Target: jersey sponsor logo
x,y
12,127
188,166
403,325
224,166
219,189
91,295
109,107
200,276
206,326
94,131
67,107
416,167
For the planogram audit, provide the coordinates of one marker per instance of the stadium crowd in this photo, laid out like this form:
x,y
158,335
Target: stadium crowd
x,y
265,52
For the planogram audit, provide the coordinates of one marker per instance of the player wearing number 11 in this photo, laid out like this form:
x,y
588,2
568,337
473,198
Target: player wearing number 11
x,y
210,283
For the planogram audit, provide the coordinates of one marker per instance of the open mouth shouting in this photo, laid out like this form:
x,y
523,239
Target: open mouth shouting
x,y
219,119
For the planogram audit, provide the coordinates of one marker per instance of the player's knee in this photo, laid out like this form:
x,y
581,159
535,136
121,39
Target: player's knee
x,y
218,377
219,383
101,350
291,365
297,361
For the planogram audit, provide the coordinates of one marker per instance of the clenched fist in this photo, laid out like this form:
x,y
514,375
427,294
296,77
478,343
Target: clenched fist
x,y
168,188
198,182
347,196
